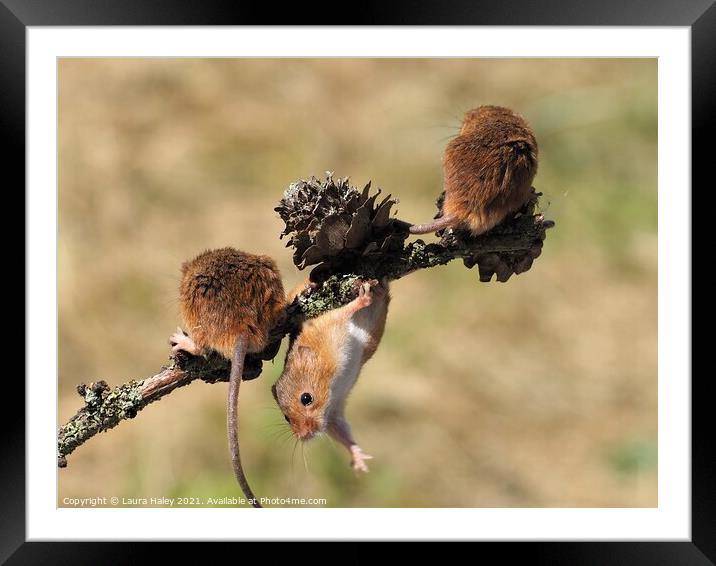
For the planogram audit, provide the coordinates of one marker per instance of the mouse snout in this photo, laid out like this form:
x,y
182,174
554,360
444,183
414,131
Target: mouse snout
x,y
306,428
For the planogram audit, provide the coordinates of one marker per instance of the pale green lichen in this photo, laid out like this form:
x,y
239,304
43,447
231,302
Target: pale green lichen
x,y
336,291
103,410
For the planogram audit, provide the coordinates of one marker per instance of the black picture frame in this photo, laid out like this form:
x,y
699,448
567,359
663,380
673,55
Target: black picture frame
x,y
699,15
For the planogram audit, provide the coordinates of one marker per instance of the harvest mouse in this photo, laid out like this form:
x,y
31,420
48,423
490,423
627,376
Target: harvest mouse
x,y
323,364
229,300
488,169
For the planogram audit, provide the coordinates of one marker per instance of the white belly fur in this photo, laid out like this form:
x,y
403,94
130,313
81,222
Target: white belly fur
x,y
357,338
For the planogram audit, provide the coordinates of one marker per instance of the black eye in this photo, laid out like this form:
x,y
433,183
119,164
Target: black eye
x,y
306,399
287,419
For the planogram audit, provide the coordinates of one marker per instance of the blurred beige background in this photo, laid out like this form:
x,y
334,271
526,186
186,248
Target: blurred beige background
x,y
540,392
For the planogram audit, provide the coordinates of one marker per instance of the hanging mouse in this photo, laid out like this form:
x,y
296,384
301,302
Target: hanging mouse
x,y
229,301
488,171
323,364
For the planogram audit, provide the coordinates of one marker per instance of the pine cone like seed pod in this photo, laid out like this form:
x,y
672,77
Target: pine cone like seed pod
x,y
501,264
330,221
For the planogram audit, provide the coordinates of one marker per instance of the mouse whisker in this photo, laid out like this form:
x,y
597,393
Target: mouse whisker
x,y
303,453
328,436
293,454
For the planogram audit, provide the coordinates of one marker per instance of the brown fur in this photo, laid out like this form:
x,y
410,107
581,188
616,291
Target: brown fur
x,y
314,358
225,293
489,168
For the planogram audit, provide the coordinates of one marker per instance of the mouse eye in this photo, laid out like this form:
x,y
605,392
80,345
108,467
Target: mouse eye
x,y
306,399
287,419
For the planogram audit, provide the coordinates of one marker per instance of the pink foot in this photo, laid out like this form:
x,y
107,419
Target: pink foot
x,y
365,295
358,459
181,341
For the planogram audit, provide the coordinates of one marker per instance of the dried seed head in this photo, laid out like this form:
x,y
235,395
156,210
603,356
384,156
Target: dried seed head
x,y
501,264
330,220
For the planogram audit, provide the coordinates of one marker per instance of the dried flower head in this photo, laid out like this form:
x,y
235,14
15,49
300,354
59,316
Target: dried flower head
x,y
330,221
502,264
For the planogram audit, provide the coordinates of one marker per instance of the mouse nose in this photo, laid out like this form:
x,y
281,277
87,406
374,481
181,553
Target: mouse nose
x,y
307,429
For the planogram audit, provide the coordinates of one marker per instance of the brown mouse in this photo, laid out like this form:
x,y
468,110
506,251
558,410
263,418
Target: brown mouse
x,y
323,364
229,301
488,171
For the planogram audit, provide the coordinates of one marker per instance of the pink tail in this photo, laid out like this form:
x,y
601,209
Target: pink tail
x,y
237,369
434,226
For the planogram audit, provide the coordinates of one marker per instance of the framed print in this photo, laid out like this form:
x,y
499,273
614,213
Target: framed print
x,y
202,184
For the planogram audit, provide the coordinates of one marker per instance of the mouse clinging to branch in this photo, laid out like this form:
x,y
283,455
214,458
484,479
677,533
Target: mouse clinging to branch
x,y
229,301
323,365
488,171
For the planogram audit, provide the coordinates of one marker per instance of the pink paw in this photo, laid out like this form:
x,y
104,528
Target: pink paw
x,y
365,295
358,459
181,341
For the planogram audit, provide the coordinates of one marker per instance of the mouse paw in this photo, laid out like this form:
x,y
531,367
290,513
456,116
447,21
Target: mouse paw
x,y
181,341
365,295
358,459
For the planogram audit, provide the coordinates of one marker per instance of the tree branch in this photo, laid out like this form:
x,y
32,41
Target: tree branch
x,y
507,249
104,408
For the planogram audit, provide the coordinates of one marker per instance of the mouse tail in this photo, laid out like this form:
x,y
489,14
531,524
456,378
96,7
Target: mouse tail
x,y
439,224
237,369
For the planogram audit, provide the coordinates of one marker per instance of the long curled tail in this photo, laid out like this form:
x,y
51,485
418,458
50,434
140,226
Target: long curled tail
x,y
237,369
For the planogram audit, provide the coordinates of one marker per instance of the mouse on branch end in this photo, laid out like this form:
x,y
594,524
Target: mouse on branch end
x,y
488,171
